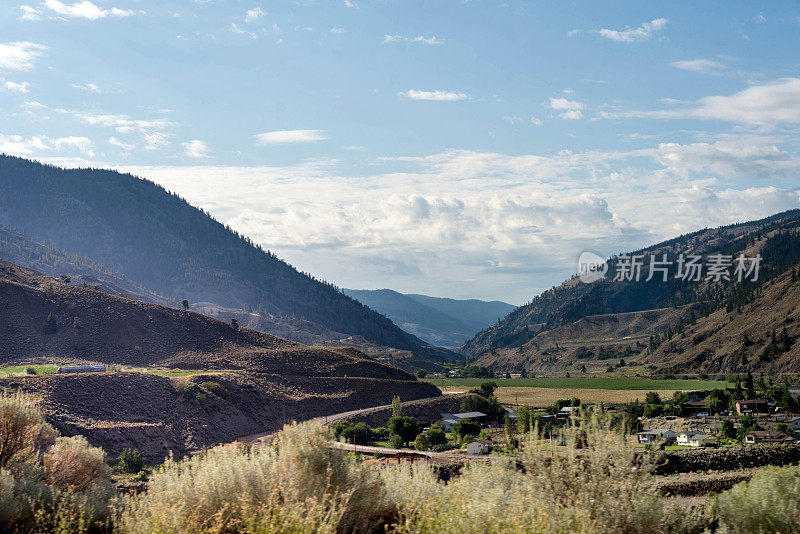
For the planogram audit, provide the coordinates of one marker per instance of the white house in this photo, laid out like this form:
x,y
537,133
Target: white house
x,y
655,435
479,446
794,424
695,439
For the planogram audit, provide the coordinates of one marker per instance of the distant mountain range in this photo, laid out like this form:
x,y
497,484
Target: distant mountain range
x,y
154,239
705,325
439,321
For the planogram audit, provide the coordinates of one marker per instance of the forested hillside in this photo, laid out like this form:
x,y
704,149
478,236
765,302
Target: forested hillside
x,y
157,240
776,239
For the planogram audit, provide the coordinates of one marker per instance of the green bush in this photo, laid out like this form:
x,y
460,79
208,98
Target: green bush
x,y
465,427
215,388
769,503
30,371
436,436
421,443
131,460
405,427
396,442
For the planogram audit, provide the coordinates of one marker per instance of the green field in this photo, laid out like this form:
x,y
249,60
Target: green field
x,y
15,370
616,383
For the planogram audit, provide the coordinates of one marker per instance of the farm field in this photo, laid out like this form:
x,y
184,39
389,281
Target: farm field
x,y
16,370
613,382
546,391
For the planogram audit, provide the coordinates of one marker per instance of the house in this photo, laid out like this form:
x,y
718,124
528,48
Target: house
x,y
752,406
479,446
655,435
695,439
567,411
794,424
767,436
82,369
449,419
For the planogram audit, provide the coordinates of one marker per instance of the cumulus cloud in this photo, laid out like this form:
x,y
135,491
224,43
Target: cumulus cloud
x,y
19,55
121,144
195,148
439,96
289,136
570,109
254,14
17,145
769,105
631,35
17,87
82,144
487,224
85,9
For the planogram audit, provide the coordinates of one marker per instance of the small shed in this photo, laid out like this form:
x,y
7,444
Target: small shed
x,y
479,446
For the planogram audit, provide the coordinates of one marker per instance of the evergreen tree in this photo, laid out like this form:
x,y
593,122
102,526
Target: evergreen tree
x,y
50,325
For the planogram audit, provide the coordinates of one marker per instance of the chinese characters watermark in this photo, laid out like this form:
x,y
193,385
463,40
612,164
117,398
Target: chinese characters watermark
x,y
687,267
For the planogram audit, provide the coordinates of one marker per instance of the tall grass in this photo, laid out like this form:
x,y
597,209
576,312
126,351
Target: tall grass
x,y
302,486
770,502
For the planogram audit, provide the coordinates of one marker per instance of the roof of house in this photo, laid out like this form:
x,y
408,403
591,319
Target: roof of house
x,y
696,404
660,431
468,415
692,433
700,435
750,401
769,435
483,441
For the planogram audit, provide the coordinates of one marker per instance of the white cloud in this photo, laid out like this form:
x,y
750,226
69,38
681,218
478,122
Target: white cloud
x,y
337,31
439,96
643,32
254,14
466,223
241,31
155,140
432,40
289,136
29,13
121,144
572,115
83,144
701,66
563,103
85,9
350,4
33,104
195,149
19,55
90,87
16,145
21,87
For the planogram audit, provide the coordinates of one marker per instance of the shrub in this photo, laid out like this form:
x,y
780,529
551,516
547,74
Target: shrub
x,y
73,464
131,460
23,431
200,398
770,502
436,436
30,371
422,443
298,486
215,388
50,325
396,442
422,373
464,426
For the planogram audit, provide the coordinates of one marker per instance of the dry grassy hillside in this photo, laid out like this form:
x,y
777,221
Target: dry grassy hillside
x,y
160,415
740,340
590,341
92,325
262,380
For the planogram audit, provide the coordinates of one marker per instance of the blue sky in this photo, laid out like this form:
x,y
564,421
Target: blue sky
x,y
463,149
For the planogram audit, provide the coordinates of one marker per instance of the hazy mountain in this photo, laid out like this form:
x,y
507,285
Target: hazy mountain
x,y
440,321
157,240
577,320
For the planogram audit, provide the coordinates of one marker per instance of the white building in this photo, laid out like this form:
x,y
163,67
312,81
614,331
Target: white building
x,y
479,446
655,435
794,424
695,439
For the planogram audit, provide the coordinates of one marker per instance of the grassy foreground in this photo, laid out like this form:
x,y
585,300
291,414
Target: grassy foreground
x,y
55,484
615,383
